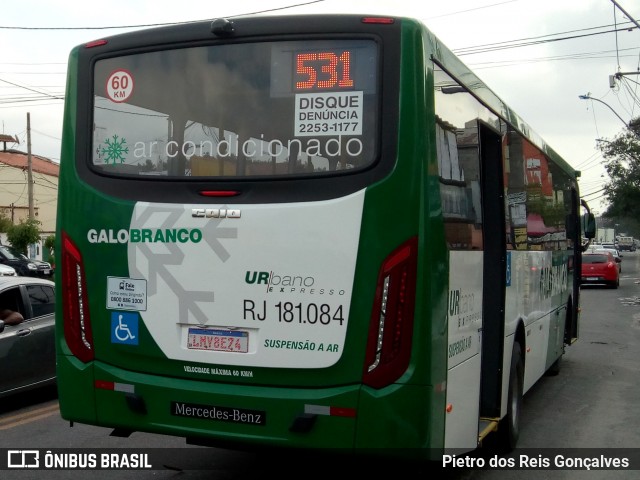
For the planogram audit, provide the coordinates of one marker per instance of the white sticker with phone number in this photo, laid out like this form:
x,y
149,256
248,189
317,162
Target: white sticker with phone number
x,y
126,294
334,113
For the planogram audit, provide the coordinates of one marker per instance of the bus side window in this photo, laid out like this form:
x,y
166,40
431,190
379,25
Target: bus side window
x,y
459,169
458,147
538,198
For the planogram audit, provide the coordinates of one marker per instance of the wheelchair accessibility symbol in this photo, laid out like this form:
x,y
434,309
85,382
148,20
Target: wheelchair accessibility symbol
x,y
124,328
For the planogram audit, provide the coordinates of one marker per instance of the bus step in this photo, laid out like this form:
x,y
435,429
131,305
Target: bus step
x,y
486,426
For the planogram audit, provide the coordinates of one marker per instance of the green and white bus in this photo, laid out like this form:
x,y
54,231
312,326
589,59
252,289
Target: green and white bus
x,y
306,231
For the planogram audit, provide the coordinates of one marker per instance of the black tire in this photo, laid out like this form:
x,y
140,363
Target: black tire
x,y
509,427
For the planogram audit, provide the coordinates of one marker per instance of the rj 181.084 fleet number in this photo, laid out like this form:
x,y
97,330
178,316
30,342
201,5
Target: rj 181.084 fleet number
x,y
289,312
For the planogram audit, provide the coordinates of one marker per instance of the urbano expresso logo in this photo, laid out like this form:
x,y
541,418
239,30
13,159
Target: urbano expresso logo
x,y
288,283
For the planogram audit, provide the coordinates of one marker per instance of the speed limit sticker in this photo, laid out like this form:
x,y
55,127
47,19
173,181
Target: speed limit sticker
x,y
119,86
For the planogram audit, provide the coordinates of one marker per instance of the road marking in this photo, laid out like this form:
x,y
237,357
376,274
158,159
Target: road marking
x,y
28,417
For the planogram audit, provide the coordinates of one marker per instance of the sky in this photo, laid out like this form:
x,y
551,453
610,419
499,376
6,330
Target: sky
x,y
539,56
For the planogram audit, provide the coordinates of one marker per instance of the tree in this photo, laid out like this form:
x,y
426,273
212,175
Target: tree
x,y
50,242
622,162
49,245
5,223
24,234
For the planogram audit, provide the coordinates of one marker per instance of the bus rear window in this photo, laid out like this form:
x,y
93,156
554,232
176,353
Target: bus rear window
x,y
238,110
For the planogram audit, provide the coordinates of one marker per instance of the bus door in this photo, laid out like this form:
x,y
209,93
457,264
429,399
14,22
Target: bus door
x,y
470,182
495,274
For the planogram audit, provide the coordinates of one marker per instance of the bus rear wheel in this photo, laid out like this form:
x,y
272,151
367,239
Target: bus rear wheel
x,y
509,427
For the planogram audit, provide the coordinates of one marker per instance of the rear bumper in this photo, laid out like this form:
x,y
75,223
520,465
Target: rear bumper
x,y
350,417
597,279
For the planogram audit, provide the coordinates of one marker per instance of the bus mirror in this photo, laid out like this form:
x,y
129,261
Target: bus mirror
x,y
589,225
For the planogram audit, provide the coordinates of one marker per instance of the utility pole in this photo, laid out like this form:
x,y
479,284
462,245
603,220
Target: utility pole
x,y
29,168
633,20
619,75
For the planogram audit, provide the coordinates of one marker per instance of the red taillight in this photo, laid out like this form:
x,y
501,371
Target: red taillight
x,y
75,306
95,43
379,20
219,193
390,330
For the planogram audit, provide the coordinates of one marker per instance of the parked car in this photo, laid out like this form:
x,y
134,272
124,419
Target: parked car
x,y
43,269
23,267
7,271
27,343
600,268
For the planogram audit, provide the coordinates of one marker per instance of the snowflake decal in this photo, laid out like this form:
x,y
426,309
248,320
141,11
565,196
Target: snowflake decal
x,y
114,150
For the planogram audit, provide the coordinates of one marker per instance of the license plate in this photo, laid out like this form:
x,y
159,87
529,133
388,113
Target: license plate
x,y
47,271
218,340
592,279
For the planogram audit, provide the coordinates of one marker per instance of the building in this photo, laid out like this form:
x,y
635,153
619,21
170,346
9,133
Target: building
x,y
14,192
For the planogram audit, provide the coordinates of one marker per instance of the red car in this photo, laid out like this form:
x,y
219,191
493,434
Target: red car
x,y
600,268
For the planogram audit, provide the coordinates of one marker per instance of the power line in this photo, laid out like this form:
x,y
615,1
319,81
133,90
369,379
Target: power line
x,y
33,105
525,42
472,9
556,58
592,193
45,134
32,89
461,51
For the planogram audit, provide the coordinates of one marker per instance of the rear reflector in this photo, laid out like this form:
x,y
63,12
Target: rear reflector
x,y
115,386
331,411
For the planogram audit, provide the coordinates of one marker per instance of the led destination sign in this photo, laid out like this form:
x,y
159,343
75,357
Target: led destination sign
x,y
323,70
323,66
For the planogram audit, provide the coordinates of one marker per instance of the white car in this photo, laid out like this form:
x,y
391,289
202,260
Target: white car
x,y
7,271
